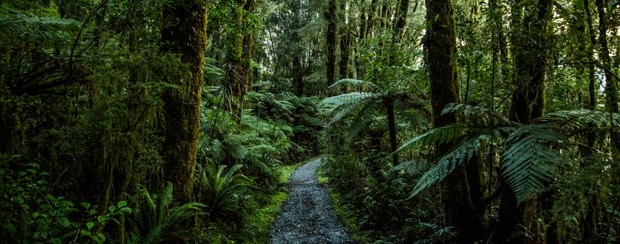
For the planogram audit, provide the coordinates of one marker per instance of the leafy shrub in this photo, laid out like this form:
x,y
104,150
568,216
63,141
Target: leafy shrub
x,y
31,213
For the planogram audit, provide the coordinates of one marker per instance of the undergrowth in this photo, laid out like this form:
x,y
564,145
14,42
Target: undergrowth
x,y
263,210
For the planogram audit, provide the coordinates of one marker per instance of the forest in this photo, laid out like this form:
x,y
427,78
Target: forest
x,y
437,121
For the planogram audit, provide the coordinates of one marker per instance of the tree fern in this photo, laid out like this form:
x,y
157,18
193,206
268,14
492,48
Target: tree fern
x,y
530,152
15,23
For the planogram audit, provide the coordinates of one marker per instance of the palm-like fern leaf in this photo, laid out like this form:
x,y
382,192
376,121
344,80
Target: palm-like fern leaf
x,y
362,120
436,136
222,186
364,85
347,98
344,104
530,159
448,162
530,151
576,120
155,220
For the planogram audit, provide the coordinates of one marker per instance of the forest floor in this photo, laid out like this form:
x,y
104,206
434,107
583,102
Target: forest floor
x,y
307,215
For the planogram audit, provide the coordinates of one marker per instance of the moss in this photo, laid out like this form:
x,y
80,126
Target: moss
x,y
286,172
259,224
323,179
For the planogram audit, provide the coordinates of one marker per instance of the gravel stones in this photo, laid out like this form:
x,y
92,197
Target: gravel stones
x,y
307,215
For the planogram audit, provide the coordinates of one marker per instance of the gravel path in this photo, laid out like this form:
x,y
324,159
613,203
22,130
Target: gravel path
x,y
307,216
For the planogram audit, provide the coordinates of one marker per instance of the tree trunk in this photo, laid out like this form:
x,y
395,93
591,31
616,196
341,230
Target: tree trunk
x,y
530,44
389,104
401,20
611,84
235,72
298,75
248,47
186,35
332,28
345,41
590,53
11,128
440,45
370,22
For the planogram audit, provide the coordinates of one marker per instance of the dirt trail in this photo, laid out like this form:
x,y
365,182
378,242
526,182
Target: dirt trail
x,y
307,215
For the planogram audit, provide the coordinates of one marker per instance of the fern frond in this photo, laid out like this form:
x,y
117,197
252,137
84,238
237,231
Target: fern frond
x,y
347,98
413,168
364,85
263,149
575,120
436,136
530,160
165,201
475,114
448,162
260,165
233,146
154,235
463,109
362,120
345,110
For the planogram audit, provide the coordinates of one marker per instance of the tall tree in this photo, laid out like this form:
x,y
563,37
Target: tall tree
x,y
345,40
185,35
611,84
401,19
530,49
236,75
249,30
440,45
332,28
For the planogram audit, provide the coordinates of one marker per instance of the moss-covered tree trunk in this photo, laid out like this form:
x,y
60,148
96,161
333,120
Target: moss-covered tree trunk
x,y
332,26
249,30
185,35
530,45
345,42
440,45
235,72
401,19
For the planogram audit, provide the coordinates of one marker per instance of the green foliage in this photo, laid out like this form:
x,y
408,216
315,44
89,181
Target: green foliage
x,y
531,152
363,107
530,159
32,213
344,104
355,84
22,26
156,218
222,190
371,201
